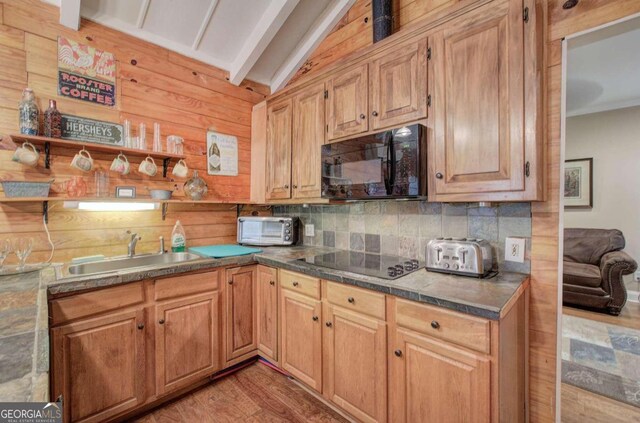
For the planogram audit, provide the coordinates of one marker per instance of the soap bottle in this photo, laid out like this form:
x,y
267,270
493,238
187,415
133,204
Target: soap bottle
x,y
178,239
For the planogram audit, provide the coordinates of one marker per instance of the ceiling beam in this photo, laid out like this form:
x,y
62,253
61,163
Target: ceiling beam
x,y
276,14
142,14
70,13
313,37
204,24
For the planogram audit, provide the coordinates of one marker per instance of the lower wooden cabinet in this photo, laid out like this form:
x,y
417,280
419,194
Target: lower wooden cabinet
x,y
187,340
241,312
267,305
99,365
301,337
436,381
355,363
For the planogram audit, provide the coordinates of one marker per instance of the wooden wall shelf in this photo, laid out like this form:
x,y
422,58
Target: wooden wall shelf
x,y
47,143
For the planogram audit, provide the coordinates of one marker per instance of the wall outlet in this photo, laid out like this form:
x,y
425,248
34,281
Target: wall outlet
x,y
309,229
514,249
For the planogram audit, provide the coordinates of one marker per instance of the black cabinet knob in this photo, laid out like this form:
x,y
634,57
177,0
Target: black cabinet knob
x,y
161,321
296,283
435,325
315,318
295,186
439,175
286,187
374,113
230,282
398,353
140,326
272,283
362,116
351,300
329,324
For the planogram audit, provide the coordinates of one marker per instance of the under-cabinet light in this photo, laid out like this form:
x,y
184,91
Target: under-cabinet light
x,y
109,206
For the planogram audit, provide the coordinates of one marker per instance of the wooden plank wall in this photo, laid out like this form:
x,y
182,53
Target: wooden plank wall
x,y
153,85
354,31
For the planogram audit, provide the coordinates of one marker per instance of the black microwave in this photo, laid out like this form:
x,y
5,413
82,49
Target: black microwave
x,y
389,164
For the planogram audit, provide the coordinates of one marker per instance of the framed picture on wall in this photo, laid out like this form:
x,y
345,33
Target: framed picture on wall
x,y
578,184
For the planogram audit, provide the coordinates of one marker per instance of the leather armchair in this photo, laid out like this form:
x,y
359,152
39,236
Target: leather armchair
x,y
594,265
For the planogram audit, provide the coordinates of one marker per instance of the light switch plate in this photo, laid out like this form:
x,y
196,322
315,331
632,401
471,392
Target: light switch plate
x,y
309,229
514,249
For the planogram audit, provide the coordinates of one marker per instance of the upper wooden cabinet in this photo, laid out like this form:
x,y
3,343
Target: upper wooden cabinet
x,y
347,99
187,340
308,138
398,86
241,313
278,151
478,73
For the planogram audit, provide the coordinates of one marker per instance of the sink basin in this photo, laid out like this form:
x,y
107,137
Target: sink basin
x,y
123,263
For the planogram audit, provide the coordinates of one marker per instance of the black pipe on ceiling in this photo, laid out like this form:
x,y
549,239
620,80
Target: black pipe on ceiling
x,y
382,19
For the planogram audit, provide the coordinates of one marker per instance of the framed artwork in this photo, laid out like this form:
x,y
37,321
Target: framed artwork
x,y
578,184
222,154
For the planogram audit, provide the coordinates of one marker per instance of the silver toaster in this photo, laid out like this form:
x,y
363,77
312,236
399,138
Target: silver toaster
x,y
460,256
254,230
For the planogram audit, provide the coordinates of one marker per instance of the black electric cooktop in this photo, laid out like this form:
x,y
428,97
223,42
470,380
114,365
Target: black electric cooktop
x,y
381,266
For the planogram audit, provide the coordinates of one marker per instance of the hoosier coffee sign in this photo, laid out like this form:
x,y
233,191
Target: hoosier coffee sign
x,y
85,73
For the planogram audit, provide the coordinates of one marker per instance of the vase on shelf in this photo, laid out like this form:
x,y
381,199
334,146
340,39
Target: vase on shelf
x,y
28,112
52,121
196,187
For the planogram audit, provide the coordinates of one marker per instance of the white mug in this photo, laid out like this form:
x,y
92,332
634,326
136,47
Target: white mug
x,y
180,169
148,166
82,161
121,164
26,154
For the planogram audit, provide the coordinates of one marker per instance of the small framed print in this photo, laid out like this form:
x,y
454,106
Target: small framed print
x,y
578,184
125,192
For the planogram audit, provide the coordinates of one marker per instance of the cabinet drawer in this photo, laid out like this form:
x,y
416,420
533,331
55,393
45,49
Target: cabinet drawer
x,y
96,302
301,284
468,331
361,300
179,286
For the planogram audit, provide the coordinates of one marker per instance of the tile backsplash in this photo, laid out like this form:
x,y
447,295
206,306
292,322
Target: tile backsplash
x,y
404,227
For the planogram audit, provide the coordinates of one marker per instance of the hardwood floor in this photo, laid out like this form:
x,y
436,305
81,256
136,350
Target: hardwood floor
x,y
580,406
253,394
629,316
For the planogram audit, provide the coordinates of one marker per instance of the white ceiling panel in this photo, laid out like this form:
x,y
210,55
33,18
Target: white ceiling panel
x,y
177,20
287,38
230,26
245,37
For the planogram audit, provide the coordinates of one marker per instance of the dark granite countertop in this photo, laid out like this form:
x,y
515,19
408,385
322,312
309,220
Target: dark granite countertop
x,y
24,341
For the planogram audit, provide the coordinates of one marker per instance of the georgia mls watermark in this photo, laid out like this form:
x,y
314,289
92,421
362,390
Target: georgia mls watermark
x,y
30,412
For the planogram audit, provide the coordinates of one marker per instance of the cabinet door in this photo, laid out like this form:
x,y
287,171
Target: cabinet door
x,y
187,340
308,137
347,103
99,366
301,338
355,363
268,312
478,77
279,119
241,313
433,381
399,86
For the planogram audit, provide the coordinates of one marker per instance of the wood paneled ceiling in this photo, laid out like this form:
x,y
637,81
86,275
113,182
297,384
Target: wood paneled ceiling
x,y
265,41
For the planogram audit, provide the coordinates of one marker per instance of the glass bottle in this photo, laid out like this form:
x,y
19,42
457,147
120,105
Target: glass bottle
x,y
157,140
196,187
28,111
52,121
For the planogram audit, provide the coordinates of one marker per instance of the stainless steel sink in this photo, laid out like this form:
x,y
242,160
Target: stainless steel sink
x,y
123,263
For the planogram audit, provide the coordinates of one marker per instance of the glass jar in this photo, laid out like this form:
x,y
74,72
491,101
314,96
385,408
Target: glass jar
x,y
196,187
173,141
102,183
52,121
28,111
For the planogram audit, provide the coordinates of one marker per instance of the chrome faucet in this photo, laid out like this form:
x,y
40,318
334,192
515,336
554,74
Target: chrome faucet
x,y
131,248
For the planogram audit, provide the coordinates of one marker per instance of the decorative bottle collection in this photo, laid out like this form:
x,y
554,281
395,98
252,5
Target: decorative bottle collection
x,y
28,112
52,121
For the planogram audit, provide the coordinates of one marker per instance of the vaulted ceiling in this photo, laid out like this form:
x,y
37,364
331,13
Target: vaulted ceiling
x,y
262,40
